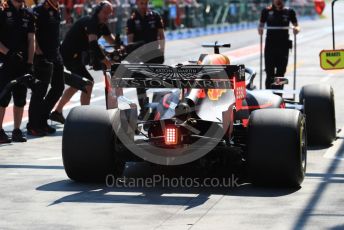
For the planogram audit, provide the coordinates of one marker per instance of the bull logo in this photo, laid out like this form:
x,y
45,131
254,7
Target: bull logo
x,y
215,94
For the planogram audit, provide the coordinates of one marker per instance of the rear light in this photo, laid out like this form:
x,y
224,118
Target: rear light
x,y
171,135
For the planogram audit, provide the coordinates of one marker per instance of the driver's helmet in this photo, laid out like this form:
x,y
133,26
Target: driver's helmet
x,y
215,59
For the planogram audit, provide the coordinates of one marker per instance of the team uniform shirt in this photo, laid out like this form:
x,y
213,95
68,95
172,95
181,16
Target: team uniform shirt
x,y
144,28
15,25
278,18
76,40
47,19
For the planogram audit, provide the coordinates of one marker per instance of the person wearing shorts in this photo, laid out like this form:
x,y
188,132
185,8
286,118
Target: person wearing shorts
x,y
83,38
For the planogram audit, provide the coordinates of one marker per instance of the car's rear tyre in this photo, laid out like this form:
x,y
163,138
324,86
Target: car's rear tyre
x,y
319,107
88,145
277,148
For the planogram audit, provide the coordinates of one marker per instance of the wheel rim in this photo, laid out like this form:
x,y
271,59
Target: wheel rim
x,y
303,146
333,111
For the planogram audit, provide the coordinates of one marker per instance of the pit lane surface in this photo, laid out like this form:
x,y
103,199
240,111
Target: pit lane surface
x,y
35,192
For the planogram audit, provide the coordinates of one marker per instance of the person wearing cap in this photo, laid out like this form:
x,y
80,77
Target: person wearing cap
x,y
277,43
83,37
146,27
17,36
48,68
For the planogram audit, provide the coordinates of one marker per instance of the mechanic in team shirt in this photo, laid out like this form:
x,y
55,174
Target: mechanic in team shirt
x,y
48,68
17,36
146,26
83,37
277,43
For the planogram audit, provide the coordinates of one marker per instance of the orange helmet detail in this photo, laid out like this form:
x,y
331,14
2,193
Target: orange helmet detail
x,y
216,59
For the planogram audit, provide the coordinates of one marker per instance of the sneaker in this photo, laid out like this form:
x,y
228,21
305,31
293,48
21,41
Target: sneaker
x,y
17,136
36,132
4,139
49,129
58,117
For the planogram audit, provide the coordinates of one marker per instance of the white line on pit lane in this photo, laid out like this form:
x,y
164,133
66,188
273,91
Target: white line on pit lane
x,y
332,152
100,98
66,108
328,76
50,158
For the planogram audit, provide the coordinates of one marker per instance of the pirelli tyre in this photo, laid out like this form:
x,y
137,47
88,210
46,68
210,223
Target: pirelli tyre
x,y
277,147
319,108
88,148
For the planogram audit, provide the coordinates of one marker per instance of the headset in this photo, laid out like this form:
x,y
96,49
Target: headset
x,y
99,7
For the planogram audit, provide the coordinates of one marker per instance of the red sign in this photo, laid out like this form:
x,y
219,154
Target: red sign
x,y
319,6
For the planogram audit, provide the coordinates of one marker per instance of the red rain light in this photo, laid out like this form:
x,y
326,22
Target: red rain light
x,y
171,135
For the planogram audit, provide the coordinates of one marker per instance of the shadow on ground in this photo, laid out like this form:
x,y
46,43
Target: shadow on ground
x,y
167,187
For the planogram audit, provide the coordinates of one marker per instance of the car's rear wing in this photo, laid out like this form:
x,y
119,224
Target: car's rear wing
x,y
180,76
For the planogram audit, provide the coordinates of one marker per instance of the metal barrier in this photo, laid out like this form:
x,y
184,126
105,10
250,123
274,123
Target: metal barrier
x,y
183,16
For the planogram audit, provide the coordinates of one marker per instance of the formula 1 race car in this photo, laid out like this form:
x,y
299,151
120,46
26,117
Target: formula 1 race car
x,y
199,112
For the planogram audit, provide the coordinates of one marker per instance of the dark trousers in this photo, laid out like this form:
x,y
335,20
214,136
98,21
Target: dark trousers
x,y
142,97
276,61
43,101
9,72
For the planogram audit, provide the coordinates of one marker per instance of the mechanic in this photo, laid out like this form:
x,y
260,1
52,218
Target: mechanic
x,y
83,38
48,68
17,36
146,27
277,43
